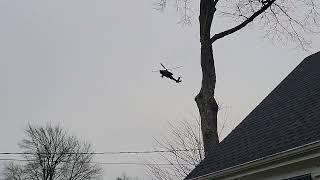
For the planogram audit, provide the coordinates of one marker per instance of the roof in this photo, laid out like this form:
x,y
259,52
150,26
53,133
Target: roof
x,y
302,177
288,117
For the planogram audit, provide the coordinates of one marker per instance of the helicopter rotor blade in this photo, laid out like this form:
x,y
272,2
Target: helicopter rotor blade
x,y
175,67
163,66
155,71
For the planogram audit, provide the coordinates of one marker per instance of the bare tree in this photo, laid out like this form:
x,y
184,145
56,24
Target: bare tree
x,y
184,151
13,172
183,147
51,154
283,20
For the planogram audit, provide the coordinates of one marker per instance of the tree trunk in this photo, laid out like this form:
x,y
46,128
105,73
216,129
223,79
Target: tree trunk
x,y
205,100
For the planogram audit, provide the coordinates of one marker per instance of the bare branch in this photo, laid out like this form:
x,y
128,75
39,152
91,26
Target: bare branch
x,y
243,24
183,136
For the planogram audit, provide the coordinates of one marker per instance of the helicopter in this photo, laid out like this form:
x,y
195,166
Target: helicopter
x,y
166,73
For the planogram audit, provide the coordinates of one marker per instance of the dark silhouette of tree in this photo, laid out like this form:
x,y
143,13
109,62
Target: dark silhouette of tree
x,y
50,153
282,20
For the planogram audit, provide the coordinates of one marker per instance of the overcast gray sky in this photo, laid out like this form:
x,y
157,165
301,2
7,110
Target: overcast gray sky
x,y
86,65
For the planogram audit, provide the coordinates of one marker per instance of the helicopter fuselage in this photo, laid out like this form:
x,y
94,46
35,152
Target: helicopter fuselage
x,y
165,73
168,74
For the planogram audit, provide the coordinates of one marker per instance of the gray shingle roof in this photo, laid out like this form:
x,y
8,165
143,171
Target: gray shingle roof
x,y
302,177
288,117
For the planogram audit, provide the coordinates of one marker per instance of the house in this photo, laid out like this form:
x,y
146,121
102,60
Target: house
x,y
279,139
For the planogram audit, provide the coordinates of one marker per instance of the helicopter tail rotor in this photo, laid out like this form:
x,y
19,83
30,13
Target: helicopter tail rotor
x,y
178,80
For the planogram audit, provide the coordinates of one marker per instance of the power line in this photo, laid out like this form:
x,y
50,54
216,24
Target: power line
x,y
103,163
105,153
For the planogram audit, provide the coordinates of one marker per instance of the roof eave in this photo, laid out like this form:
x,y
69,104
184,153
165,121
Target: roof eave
x,y
261,161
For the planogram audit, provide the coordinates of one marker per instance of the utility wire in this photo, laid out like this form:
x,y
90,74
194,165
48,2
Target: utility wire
x,y
105,153
102,163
